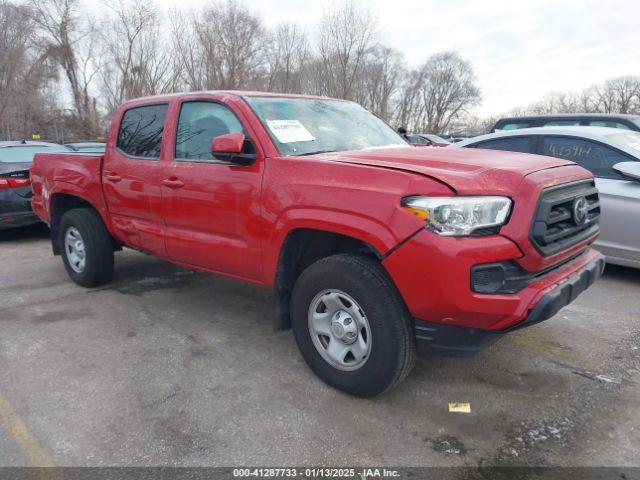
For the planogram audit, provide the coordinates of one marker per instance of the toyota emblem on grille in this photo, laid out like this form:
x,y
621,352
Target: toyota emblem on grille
x,y
580,210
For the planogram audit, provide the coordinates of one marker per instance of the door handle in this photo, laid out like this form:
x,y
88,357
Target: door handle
x,y
112,177
173,182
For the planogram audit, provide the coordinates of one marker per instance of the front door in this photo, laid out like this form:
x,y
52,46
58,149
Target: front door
x,y
211,207
131,178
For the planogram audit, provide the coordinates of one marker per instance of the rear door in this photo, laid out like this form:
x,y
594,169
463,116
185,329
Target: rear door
x,y
212,207
131,178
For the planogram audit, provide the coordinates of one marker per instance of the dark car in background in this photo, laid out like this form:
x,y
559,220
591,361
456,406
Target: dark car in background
x,y
87,147
627,122
15,184
427,140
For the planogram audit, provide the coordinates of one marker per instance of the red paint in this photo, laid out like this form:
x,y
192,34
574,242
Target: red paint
x,y
228,143
233,219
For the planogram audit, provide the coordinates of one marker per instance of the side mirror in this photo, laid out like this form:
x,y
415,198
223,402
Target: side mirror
x,y
228,148
631,170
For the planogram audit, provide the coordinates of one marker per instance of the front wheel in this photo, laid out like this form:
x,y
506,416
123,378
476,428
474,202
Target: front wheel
x,y
87,249
351,325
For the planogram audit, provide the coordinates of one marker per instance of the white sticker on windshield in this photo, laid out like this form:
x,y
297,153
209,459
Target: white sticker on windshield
x,y
289,131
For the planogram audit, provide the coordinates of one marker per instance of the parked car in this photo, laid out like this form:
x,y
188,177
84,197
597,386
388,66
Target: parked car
x,y
599,150
627,122
15,185
87,147
374,249
427,140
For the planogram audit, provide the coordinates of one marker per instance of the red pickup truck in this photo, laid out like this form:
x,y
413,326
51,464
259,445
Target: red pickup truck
x,y
375,250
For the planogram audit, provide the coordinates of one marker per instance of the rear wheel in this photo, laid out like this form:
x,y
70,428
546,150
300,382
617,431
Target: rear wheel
x,y
87,250
351,325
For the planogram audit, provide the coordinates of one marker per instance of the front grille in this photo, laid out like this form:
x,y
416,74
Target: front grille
x,y
557,223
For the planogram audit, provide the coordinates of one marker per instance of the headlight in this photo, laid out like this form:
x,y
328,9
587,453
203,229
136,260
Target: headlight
x,y
459,216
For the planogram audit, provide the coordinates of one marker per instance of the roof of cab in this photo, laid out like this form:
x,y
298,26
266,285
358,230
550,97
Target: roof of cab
x,y
236,93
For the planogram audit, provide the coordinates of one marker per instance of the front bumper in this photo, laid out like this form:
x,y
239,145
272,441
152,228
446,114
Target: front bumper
x,y
450,340
433,275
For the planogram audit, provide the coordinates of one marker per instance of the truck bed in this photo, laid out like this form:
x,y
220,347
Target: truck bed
x,y
66,173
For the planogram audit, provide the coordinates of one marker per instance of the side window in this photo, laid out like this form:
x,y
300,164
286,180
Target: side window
x,y
596,158
199,123
601,123
514,126
140,133
510,144
562,123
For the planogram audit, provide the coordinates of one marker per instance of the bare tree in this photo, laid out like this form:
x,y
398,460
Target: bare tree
x,y
408,105
619,95
587,100
24,74
226,51
380,80
136,61
616,95
346,37
448,87
557,102
69,42
287,56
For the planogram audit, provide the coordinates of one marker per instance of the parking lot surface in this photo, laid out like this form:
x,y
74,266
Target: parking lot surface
x,y
166,366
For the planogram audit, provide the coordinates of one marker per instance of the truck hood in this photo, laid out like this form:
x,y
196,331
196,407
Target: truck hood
x,y
468,171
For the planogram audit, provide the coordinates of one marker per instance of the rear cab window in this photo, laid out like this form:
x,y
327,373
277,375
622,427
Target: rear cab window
x,y
140,133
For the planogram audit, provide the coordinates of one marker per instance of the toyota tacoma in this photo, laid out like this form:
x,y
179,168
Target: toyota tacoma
x,y
375,250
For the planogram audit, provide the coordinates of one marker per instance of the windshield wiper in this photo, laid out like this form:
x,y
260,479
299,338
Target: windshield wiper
x,y
315,153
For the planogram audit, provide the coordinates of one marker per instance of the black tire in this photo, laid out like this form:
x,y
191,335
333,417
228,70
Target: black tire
x,y
98,247
392,353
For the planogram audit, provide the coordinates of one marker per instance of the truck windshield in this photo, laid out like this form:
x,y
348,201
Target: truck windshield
x,y
304,126
24,154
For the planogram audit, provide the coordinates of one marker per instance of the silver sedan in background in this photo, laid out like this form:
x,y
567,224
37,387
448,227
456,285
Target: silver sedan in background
x,y
611,154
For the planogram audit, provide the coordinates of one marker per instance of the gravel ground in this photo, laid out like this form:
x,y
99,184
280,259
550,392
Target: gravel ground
x,y
166,366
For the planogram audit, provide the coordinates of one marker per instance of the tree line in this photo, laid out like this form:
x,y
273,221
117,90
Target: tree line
x,y
617,95
63,69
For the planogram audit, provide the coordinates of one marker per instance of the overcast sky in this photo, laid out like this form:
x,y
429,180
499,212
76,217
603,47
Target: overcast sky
x,y
520,50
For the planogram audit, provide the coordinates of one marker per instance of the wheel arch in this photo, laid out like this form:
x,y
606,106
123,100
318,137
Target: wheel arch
x,y
300,248
61,202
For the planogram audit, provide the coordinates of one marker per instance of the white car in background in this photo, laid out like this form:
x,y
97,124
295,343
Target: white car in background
x,y
611,154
